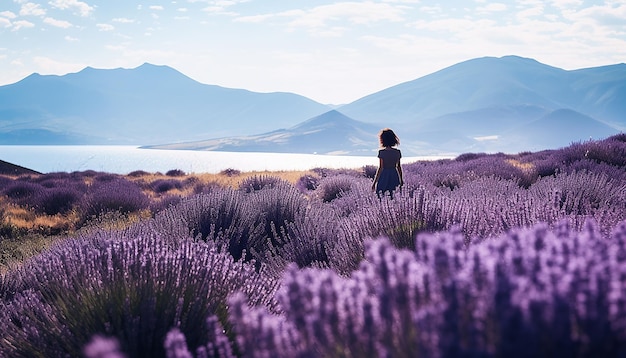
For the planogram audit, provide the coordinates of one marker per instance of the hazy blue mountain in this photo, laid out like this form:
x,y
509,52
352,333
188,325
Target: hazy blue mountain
x,y
604,93
43,136
329,133
488,82
148,104
548,131
486,104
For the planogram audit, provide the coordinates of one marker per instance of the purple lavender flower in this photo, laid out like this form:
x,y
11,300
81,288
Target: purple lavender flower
x,y
103,347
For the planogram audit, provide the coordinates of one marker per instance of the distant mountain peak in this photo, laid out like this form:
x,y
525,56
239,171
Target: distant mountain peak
x,y
148,65
493,97
332,117
142,105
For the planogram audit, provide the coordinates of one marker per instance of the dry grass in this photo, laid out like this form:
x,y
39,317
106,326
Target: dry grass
x,y
28,233
13,252
22,218
229,180
525,167
233,181
221,180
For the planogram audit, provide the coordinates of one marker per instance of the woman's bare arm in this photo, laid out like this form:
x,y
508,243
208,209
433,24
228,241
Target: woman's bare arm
x,y
380,166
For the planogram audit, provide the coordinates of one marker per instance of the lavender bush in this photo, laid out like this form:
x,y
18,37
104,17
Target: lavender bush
x,y
216,216
5,181
175,173
230,172
165,202
22,191
333,187
131,285
258,182
57,200
307,183
110,193
482,256
369,171
534,292
164,185
138,174
272,211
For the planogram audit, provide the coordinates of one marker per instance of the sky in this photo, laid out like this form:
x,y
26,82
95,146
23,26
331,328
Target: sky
x,y
333,52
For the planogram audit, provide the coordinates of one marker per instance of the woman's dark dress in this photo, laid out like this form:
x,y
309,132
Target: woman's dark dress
x,y
389,178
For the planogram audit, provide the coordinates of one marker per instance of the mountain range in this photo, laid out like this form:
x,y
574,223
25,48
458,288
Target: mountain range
x,y
490,104
145,105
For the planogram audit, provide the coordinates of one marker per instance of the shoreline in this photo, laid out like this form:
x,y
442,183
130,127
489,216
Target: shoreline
x,y
125,159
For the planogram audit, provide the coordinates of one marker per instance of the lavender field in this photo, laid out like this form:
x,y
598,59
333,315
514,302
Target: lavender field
x,y
485,255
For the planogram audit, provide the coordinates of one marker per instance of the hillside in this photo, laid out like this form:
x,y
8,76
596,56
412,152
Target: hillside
x,y
7,168
329,133
145,105
489,82
507,104
488,104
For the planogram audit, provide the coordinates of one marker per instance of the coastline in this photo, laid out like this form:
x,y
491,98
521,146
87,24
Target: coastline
x,y
125,159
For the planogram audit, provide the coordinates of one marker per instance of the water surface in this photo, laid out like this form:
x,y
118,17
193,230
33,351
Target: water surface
x,y
125,159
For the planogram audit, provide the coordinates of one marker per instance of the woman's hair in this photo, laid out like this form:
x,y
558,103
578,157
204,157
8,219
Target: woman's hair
x,y
388,138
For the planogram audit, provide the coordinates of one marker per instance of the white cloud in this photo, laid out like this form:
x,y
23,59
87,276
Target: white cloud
x,y
253,18
123,20
22,24
8,14
156,7
105,27
57,23
70,39
32,9
492,7
530,12
600,14
320,19
221,10
219,6
50,66
5,22
82,8
457,26
432,10
115,47
565,4
354,12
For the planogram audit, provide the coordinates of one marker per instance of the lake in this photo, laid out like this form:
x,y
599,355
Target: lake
x,y
125,159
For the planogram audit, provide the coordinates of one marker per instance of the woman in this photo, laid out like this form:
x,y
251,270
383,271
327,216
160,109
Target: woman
x,y
389,174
